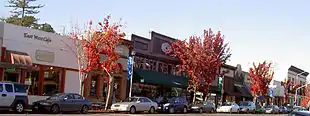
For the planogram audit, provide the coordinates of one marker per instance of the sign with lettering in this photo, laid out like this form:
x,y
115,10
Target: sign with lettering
x,y
36,37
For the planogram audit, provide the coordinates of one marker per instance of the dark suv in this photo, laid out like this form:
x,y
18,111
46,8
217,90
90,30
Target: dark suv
x,y
173,105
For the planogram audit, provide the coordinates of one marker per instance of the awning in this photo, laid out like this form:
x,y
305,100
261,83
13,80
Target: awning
x,y
244,92
19,58
151,77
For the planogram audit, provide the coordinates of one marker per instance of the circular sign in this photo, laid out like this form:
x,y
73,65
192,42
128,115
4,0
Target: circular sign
x,y
165,47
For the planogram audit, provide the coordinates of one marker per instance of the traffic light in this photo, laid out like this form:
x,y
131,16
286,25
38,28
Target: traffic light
x,y
220,82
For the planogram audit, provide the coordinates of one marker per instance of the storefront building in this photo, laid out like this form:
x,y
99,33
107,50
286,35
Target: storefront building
x,y
155,73
43,61
235,87
96,86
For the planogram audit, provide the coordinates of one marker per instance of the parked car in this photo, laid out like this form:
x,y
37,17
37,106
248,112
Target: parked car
x,y
173,105
299,108
299,113
260,109
13,96
202,107
247,107
283,109
135,104
228,107
63,102
272,109
290,108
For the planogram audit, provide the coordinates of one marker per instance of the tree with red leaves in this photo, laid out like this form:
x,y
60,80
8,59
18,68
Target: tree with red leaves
x,y
201,58
95,51
287,84
306,97
260,76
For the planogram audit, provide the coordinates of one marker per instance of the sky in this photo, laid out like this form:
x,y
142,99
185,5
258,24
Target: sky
x,y
256,30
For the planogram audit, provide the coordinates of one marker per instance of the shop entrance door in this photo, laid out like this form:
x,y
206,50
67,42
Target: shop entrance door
x,y
11,76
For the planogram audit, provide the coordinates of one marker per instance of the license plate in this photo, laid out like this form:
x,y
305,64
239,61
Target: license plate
x,y
159,107
36,107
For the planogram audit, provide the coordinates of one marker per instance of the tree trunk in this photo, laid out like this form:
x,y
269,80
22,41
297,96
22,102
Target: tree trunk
x,y
109,96
194,97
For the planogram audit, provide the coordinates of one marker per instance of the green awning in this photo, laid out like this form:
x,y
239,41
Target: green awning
x,y
151,77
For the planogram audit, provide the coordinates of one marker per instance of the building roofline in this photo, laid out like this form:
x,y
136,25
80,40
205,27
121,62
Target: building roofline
x,y
298,70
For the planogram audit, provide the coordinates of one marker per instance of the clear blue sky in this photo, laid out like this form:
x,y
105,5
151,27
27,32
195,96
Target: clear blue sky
x,y
257,30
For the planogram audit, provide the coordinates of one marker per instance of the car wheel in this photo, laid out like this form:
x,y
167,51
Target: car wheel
x,y
184,110
200,110
132,110
152,110
84,109
19,107
171,110
212,110
55,109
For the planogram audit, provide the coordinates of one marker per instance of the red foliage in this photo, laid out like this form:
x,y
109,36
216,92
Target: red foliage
x,y
260,77
306,98
98,44
201,58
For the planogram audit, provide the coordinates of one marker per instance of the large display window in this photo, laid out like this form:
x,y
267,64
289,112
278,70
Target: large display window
x,y
52,79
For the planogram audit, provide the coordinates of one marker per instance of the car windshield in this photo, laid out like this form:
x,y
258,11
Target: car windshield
x,y
131,99
227,104
56,96
268,107
244,103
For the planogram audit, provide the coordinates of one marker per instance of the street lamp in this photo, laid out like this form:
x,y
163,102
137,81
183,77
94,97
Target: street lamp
x,y
133,53
295,101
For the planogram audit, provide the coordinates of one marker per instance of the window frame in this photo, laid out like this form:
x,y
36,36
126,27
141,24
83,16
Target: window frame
x,y
6,87
2,88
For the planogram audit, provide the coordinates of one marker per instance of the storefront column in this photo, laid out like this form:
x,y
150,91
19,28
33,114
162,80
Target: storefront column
x,y
98,94
22,76
63,80
2,59
41,80
86,85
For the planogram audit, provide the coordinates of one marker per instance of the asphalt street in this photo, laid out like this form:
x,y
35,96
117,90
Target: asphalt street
x,y
144,114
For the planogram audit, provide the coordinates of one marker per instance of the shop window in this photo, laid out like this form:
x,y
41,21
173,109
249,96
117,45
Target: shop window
x,y
147,64
170,69
117,87
160,67
52,78
8,88
93,86
11,74
138,62
32,81
105,89
165,68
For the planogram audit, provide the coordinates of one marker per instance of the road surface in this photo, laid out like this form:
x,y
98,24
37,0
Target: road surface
x,y
144,114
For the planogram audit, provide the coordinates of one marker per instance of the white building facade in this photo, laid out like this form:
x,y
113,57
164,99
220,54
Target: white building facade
x,y
46,62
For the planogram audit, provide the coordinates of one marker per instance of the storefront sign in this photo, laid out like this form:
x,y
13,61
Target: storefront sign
x,y
45,56
36,37
10,69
